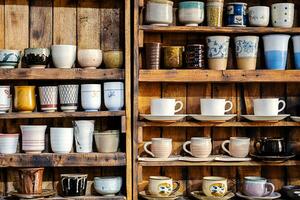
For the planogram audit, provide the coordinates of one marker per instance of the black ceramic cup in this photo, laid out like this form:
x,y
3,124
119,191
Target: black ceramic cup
x,y
270,146
194,56
73,184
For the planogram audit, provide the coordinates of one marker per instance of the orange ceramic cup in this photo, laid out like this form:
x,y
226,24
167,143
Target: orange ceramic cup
x,y
25,98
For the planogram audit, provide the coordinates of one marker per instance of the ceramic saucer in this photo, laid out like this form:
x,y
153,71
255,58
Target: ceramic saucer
x,y
45,193
161,118
201,195
273,158
151,159
145,195
213,118
194,159
257,118
295,118
225,158
275,195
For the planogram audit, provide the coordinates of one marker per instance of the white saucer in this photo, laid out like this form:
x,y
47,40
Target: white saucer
x,y
213,118
225,158
266,118
152,197
200,195
194,159
295,118
151,159
275,195
161,118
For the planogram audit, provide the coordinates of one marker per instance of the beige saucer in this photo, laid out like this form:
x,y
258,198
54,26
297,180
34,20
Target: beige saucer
x,y
151,159
201,195
295,118
213,118
145,195
257,118
161,118
225,158
194,159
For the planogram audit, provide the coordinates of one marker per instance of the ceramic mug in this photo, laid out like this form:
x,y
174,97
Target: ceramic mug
x,y
83,133
25,99
217,52
48,98
173,56
238,146
162,186
283,15
61,139
8,143
30,180
246,52
194,56
259,16
270,146
160,147
165,107
91,97
237,14
214,106
200,147
257,186
214,186
191,13
5,98
214,13
159,13
63,56
73,184
68,96
296,45
153,54
268,106
114,95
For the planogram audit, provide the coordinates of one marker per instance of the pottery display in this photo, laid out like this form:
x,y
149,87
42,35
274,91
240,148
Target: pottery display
x,y
73,184
214,12
257,186
61,139
83,133
276,47
214,106
246,52
173,57
63,56
191,13
68,97
259,16
237,14
160,147
283,15
91,97
296,47
162,186
30,180
25,101
8,143
113,58
33,138
89,58
114,95
194,56
214,186
108,186
200,147
5,99
217,52
159,12
107,141
238,146
153,55
165,107
48,98
37,57
270,146
9,58
268,106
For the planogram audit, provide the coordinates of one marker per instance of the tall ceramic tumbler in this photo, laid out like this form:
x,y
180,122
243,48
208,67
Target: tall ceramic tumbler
x,y
5,98
214,12
276,47
296,44
114,95
246,52
217,52
153,52
83,132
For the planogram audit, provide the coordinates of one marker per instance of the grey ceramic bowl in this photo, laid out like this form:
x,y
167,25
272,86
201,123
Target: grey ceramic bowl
x,y
9,58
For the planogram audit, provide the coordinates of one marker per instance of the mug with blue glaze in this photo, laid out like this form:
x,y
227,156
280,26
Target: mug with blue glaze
x,y
246,51
237,14
191,13
296,44
217,52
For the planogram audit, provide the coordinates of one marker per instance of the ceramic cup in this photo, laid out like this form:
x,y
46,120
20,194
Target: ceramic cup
x,y
259,16
191,13
159,13
30,180
107,141
214,106
113,58
237,14
153,54
114,95
173,56
61,139
8,143
162,186
73,184
214,186
33,138
270,146
89,58
238,146
276,48
48,98
194,56
217,52
200,147
296,45
108,186
160,147
268,106
63,56
165,107
257,186
68,97
37,57
246,52
5,98
25,99
83,133
91,97
214,13
283,15
9,58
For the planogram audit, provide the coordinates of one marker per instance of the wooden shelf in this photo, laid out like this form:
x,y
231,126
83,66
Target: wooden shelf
x,y
63,160
187,75
89,198
61,74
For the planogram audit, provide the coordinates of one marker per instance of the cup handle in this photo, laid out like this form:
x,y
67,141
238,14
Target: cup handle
x,y
224,148
185,149
181,106
270,189
231,106
146,149
283,105
255,146
176,188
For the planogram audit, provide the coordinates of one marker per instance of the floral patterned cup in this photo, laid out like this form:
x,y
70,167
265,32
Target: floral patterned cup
x,y
246,52
217,52
114,95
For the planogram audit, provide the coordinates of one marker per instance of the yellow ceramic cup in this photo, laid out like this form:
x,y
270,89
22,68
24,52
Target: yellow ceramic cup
x,y
113,58
25,98
214,186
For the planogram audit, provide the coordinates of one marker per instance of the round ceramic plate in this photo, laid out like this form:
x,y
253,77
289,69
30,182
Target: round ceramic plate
x,y
45,193
151,159
194,159
257,118
202,196
273,158
213,118
152,197
225,158
159,118
275,195
295,118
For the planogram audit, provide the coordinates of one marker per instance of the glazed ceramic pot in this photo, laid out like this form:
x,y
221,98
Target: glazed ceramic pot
x,y
89,58
33,138
107,141
108,186
214,186
194,56
68,97
159,12
73,184
37,57
113,58
217,52
63,56
114,95
296,45
5,98
237,14
25,99
162,186
8,143
9,58
83,133
283,15
191,13
214,12
153,55
61,139
246,52
91,97
257,186
48,98
30,180
259,16
173,57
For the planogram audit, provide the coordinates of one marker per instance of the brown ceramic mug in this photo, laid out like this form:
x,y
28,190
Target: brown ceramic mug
x,y
153,51
173,57
31,180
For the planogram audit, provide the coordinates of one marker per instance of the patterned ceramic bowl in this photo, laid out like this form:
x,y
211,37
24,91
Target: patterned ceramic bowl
x,y
9,58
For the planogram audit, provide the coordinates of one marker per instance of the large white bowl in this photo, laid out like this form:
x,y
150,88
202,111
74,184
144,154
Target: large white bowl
x,y
89,58
108,186
63,56
33,138
8,143
61,139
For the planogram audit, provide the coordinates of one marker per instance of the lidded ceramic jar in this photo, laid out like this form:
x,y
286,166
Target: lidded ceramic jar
x,y
159,12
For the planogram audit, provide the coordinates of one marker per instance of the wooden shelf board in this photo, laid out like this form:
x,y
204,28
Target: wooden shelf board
x,y
63,160
119,197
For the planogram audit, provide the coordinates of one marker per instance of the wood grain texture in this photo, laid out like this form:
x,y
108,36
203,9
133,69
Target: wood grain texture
x,y
220,164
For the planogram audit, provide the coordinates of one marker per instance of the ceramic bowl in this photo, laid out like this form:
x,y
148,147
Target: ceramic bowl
x,y
8,143
107,141
108,186
191,13
63,56
33,138
37,57
9,58
114,95
89,58
113,58
159,12
61,139
73,184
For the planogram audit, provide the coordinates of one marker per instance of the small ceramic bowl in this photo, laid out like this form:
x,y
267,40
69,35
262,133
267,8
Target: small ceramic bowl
x,y
37,57
9,58
108,186
113,58
63,56
89,58
8,143
73,184
107,141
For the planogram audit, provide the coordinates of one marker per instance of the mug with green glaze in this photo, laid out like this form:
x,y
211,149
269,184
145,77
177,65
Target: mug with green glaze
x,y
173,57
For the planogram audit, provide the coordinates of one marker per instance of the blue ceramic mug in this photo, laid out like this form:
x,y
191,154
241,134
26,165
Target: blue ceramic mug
x,y
237,14
296,44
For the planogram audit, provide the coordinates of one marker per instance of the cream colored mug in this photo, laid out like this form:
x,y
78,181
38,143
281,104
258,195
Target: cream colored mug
x,y
162,186
214,186
200,147
160,147
238,146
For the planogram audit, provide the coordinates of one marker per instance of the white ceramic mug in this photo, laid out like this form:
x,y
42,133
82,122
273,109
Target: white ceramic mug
x,y
283,15
259,16
5,98
165,106
268,106
61,139
91,97
214,106
238,146
162,186
83,132
200,147
160,147
114,95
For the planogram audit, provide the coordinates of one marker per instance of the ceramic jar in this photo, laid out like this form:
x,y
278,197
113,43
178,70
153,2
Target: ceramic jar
x,y
113,59
30,180
194,56
68,97
9,58
159,12
173,57
214,10
296,45
48,98
114,95
259,16
61,139
73,184
214,186
33,138
108,186
217,52
191,13
63,56
83,133
5,99
89,58
237,14
153,52
107,141
25,99
91,97
283,15
162,186
8,143
37,57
